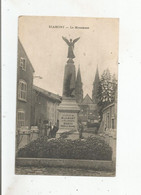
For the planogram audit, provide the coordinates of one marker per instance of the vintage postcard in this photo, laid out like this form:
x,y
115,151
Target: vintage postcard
x,y
67,84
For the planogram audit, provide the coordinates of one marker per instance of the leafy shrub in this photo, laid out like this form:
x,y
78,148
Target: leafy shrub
x,y
93,148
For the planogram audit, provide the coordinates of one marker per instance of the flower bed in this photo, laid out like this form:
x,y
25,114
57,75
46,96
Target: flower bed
x,y
92,148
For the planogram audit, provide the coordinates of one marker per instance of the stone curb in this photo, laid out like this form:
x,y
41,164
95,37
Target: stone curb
x,y
67,163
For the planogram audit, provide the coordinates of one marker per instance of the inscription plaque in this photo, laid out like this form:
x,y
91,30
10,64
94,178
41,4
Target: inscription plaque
x,y
68,121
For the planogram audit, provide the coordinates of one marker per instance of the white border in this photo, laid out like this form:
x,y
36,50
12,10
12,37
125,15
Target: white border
x,y
128,177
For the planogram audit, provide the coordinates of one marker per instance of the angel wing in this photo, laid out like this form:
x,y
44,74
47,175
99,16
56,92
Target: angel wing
x,y
66,40
75,40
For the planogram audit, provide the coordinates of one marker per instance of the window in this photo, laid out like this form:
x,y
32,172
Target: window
x,y
22,90
23,63
21,118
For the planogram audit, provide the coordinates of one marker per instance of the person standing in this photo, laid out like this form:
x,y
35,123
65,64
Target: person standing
x,y
45,127
50,130
40,127
54,131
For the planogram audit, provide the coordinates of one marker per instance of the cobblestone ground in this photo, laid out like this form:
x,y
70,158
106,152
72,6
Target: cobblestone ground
x,y
60,171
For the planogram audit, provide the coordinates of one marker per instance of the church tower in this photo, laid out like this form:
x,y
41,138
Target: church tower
x,y
79,87
95,87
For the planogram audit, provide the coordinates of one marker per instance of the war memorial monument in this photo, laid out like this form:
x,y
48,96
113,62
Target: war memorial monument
x,y
69,109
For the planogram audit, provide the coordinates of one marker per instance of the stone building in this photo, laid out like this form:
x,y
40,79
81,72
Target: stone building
x,y
78,87
25,72
45,106
88,111
109,116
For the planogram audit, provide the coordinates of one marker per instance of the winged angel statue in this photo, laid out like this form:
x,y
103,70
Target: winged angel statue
x,y
71,46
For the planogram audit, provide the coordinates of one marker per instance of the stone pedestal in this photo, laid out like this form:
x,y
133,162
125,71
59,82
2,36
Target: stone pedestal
x,y
68,109
68,116
69,79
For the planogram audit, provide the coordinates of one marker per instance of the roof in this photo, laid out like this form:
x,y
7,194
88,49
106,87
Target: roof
x,y
20,44
87,100
112,104
48,94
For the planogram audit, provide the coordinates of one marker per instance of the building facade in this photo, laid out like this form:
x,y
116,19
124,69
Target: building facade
x,y
109,116
24,89
88,112
45,106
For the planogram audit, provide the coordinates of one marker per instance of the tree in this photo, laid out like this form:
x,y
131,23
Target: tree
x,y
106,91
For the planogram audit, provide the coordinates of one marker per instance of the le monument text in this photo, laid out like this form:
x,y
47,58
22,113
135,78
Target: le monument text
x,y
70,27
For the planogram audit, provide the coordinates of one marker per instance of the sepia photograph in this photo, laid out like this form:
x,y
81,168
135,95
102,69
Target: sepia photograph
x,y
67,94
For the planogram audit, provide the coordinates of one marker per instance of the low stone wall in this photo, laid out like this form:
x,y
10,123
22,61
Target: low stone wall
x,y
65,163
27,135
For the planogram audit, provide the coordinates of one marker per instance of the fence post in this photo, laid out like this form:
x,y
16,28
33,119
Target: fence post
x,y
34,133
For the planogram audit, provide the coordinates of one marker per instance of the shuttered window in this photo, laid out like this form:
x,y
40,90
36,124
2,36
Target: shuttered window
x,y
22,90
23,63
21,118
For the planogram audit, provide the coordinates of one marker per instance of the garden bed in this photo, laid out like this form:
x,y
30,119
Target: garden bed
x,y
92,148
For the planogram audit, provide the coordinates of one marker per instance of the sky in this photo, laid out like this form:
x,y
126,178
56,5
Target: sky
x,y
97,47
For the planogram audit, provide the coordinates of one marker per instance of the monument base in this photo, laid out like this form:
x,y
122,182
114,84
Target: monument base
x,y
68,115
